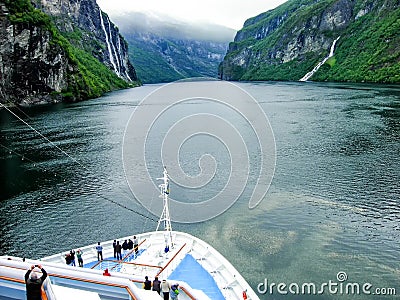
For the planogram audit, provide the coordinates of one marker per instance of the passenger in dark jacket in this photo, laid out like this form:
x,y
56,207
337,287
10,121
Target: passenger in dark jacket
x,y
34,283
147,283
68,259
72,252
130,244
118,248
156,285
125,247
115,251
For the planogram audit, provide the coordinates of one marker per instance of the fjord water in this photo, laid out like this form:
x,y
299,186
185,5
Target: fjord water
x,y
333,205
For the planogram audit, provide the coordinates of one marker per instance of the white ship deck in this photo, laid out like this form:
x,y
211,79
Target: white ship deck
x,y
202,272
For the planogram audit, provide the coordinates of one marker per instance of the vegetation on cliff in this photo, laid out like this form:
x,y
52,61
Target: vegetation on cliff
x,y
287,42
87,77
370,53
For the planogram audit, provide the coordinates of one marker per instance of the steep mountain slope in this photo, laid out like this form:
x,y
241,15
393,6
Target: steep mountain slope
x,y
59,50
163,49
287,42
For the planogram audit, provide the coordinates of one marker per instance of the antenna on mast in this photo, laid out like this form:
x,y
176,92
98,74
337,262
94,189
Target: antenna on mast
x,y
165,217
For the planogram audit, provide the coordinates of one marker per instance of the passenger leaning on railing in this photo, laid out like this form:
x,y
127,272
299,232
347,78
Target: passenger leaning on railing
x,y
34,283
174,291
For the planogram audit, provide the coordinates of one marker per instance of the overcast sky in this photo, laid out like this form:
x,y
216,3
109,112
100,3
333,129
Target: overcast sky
x,y
230,13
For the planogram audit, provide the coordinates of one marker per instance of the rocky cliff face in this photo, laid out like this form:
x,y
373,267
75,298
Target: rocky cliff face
x,y
287,42
30,67
57,50
91,29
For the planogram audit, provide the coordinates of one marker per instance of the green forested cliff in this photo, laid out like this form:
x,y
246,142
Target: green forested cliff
x,y
42,57
287,42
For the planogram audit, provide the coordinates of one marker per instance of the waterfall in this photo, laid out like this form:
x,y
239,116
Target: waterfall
x,y
108,44
311,73
113,47
122,59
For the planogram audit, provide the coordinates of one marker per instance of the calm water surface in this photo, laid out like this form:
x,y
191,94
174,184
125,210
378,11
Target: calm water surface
x,y
333,205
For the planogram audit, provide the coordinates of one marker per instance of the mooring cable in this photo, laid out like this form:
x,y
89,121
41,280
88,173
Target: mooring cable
x,y
74,160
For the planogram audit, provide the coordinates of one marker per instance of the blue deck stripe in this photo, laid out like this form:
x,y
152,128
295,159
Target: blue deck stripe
x,y
190,271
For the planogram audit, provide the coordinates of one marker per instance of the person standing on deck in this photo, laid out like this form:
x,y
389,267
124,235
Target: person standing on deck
x,y
125,247
147,283
130,244
68,259
136,244
118,248
79,256
156,285
165,287
72,253
115,252
99,249
34,284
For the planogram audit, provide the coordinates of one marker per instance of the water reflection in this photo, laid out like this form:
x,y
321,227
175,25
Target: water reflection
x,y
333,205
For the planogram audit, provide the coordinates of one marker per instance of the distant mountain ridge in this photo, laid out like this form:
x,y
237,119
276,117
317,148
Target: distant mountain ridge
x,y
164,49
166,26
289,41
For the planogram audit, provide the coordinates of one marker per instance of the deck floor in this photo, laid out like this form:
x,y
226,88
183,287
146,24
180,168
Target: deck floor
x,y
190,271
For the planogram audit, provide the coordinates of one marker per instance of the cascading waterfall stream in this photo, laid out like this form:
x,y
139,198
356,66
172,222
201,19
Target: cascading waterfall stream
x,y
113,47
108,44
316,68
121,58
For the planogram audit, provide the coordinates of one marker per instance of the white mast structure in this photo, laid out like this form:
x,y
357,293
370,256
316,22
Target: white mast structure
x,y
165,217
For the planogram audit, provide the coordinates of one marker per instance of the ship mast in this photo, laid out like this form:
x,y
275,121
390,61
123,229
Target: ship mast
x,y
165,217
